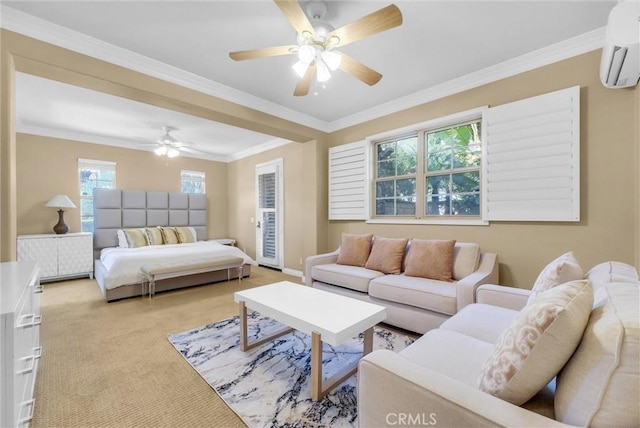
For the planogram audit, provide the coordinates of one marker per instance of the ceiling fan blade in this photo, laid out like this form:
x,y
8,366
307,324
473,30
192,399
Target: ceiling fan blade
x,y
359,70
296,16
376,22
304,84
263,53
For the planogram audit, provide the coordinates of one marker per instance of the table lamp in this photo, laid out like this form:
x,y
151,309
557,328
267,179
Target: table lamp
x,y
60,202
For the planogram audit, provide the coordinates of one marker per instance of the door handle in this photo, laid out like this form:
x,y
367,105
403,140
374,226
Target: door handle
x,y
258,225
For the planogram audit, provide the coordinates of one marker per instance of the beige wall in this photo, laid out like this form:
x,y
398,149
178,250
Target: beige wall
x,y
48,166
608,229
300,201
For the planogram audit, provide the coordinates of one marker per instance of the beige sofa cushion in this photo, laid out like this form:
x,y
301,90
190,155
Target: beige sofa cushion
x,y
481,321
451,353
354,249
386,255
601,382
538,343
437,296
563,269
607,272
430,258
352,277
466,257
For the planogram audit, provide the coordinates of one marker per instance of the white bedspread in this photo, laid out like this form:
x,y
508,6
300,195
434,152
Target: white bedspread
x,y
122,265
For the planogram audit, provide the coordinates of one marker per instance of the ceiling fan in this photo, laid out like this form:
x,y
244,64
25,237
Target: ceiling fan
x,y
167,145
318,42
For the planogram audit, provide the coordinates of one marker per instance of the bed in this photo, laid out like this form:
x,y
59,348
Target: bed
x,y
117,269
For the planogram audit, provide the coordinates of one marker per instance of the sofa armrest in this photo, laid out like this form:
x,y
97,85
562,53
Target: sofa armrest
x,y
499,295
393,391
487,272
320,259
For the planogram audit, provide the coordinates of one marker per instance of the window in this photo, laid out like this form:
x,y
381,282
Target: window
x,y
431,173
92,174
192,181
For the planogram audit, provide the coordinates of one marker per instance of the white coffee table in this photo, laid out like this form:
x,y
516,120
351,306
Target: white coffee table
x,y
325,316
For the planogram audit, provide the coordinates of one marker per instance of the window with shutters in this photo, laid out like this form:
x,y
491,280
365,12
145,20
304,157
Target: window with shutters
x,y
431,173
93,174
513,162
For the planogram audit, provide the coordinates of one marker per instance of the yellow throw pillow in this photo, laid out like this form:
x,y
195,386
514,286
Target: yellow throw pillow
x,y
184,235
169,235
355,249
154,236
135,237
386,255
430,258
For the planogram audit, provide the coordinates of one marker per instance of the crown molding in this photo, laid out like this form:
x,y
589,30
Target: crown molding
x,y
31,26
37,28
269,145
102,140
557,52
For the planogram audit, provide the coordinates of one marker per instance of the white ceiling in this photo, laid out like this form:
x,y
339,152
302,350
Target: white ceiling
x,y
441,47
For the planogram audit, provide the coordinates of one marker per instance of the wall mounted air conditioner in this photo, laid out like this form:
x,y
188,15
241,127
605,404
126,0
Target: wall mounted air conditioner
x,y
620,64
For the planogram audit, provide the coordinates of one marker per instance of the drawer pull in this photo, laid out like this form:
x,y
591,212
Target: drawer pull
x,y
37,352
32,364
32,404
38,289
29,320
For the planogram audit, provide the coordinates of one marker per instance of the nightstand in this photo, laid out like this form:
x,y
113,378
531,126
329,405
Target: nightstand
x,y
226,241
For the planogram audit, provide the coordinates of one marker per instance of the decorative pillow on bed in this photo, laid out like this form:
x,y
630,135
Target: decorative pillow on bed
x,y
135,238
154,236
185,235
169,235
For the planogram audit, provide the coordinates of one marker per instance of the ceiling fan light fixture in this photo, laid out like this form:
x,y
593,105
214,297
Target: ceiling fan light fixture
x,y
172,153
300,68
332,59
161,151
322,72
306,54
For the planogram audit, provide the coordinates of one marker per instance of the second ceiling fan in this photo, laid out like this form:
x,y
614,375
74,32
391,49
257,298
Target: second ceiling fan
x,y
318,42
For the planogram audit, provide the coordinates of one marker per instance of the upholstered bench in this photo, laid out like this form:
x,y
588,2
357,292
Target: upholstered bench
x,y
152,273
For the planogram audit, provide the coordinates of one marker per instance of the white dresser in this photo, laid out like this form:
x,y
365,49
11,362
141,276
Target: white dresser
x,y
20,349
58,256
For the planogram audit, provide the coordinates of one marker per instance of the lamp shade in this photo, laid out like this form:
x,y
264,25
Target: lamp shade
x,y
60,201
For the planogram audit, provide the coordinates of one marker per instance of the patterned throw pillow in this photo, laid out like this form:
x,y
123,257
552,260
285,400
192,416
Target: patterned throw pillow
x,y
355,249
135,237
538,343
430,258
185,236
386,255
169,235
563,269
154,236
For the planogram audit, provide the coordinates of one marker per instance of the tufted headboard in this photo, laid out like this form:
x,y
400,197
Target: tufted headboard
x,y
115,209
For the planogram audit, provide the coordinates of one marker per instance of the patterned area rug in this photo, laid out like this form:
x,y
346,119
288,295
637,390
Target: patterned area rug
x,y
268,386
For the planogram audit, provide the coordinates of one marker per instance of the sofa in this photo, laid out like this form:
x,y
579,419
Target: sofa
x,y
421,283
578,368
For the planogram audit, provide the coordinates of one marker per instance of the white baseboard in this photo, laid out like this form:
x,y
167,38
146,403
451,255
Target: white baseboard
x,y
293,272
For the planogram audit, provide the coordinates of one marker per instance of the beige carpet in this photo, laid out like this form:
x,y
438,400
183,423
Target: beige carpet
x,y
111,365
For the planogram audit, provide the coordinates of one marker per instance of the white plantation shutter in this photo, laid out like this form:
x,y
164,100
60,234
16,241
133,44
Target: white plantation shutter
x,y
348,178
531,159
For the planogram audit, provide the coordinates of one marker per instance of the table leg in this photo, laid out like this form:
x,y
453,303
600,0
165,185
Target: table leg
x,y
368,341
244,336
316,367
